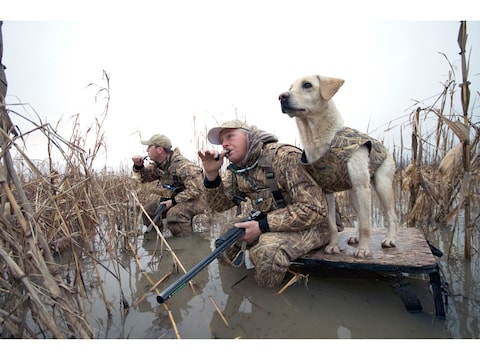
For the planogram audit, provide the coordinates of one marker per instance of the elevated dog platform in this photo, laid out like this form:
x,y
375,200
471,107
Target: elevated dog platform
x,y
412,255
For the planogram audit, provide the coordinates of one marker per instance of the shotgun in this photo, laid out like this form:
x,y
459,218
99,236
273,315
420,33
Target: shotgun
x,y
221,244
158,213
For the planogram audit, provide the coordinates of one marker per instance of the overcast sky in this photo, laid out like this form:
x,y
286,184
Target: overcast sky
x,y
217,60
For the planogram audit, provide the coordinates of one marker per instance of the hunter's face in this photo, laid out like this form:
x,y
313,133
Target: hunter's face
x,y
156,153
236,141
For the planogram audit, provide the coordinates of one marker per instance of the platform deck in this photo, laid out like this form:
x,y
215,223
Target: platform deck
x,y
412,255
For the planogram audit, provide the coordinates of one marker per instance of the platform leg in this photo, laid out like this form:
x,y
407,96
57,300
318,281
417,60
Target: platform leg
x,y
436,284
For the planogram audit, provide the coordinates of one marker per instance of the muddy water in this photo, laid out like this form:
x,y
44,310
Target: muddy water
x,y
328,305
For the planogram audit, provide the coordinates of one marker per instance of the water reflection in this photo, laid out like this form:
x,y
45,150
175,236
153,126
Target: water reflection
x,y
464,286
330,305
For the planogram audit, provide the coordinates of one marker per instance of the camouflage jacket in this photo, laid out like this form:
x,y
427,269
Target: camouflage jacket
x,y
178,178
305,206
330,171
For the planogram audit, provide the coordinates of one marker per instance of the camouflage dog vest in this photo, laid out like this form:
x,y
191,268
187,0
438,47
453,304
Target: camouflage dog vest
x,y
330,171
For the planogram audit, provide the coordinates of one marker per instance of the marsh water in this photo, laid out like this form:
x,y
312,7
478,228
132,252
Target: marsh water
x,y
225,302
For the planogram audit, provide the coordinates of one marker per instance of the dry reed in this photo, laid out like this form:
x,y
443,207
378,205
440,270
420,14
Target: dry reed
x,y
48,208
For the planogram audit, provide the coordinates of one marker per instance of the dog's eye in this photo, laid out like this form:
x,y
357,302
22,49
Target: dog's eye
x,y
307,85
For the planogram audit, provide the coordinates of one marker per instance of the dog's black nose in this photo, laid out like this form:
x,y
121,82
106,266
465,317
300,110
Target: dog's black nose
x,y
283,96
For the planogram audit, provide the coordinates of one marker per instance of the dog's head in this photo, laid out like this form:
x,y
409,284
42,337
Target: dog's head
x,y
309,95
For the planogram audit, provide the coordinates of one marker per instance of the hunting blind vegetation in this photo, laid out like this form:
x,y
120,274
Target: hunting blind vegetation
x,y
57,214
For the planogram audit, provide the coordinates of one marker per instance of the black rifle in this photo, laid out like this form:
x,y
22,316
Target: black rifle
x,y
221,244
158,213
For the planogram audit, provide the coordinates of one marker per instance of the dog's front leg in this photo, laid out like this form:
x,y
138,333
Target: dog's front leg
x,y
361,199
332,247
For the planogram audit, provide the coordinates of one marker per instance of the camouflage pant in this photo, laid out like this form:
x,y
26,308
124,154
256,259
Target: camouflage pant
x,y
178,218
274,252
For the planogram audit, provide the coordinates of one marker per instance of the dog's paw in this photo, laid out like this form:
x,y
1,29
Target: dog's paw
x,y
353,240
332,249
388,243
362,253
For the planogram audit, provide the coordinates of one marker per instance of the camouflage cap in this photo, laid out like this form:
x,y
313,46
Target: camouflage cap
x,y
214,133
158,140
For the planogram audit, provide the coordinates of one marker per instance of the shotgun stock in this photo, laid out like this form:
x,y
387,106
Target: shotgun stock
x,y
221,244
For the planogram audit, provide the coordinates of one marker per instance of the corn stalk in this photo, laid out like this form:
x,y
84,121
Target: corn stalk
x,y
465,97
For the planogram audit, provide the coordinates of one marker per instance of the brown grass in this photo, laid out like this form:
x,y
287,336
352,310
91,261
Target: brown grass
x,y
45,210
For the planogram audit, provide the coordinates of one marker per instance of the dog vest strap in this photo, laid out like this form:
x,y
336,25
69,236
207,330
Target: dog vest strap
x,y
265,161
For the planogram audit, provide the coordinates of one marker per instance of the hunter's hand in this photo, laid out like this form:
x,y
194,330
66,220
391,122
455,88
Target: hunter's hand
x,y
252,231
211,161
138,160
168,204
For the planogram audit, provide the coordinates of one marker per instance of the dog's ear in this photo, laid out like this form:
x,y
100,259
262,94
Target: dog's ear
x,y
329,86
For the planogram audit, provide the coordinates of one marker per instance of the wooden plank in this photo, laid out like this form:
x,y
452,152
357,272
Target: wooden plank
x,y
412,253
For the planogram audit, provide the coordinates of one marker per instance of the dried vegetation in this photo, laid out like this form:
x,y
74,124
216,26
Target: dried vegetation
x,y
46,208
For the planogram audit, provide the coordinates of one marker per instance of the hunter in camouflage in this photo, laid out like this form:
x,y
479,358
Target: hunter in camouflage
x,y
286,232
331,171
180,184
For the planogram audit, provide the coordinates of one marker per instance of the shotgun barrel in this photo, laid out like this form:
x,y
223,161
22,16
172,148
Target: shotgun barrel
x,y
221,244
158,213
